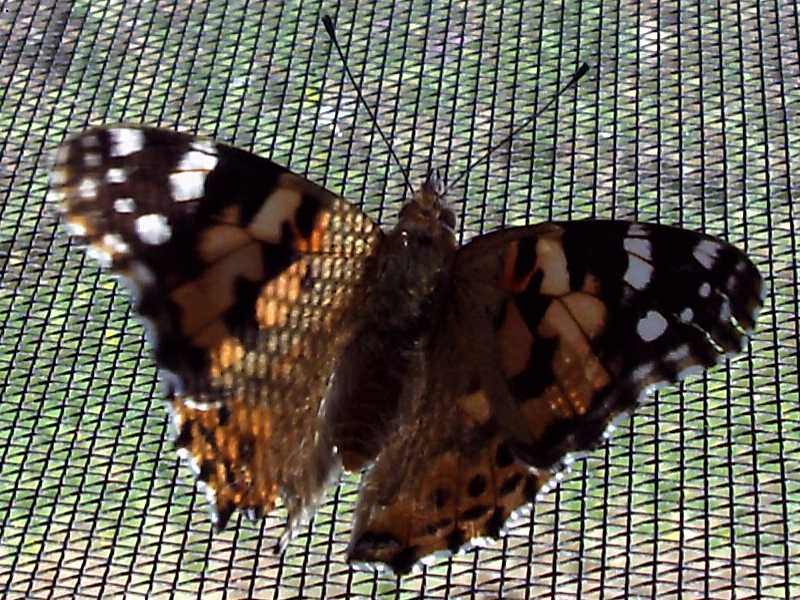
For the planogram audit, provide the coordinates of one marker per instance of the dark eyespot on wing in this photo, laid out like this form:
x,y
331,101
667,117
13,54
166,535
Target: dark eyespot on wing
x,y
440,497
504,457
510,484
477,485
474,512
184,437
222,514
455,540
205,471
402,562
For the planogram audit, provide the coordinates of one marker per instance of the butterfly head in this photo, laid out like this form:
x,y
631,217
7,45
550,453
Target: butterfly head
x,y
427,215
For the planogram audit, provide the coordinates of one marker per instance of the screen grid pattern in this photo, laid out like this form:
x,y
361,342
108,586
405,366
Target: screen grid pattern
x,y
689,115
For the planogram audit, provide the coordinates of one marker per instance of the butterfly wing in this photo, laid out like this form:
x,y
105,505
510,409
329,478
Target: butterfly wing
x,y
244,274
589,314
568,325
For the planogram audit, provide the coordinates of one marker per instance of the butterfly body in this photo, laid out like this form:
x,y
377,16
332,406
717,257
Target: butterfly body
x,y
297,339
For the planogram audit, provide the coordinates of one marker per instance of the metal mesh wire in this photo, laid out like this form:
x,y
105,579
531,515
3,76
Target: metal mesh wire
x,y
689,116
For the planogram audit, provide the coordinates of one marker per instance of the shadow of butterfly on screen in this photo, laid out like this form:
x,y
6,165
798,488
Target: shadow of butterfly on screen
x,y
297,339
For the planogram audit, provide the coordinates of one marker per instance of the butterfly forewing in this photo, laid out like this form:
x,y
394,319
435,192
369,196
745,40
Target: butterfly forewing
x,y
592,313
246,275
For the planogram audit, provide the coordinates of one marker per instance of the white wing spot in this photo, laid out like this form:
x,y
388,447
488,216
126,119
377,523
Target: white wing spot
x,y
639,273
196,160
187,185
137,276
704,290
706,253
76,229
116,176
642,372
87,189
651,326
153,229
200,405
725,310
689,371
90,141
100,255
126,141
92,160
124,205
678,353
638,246
56,197
115,242
637,230
141,274
58,177
206,146
61,155
687,314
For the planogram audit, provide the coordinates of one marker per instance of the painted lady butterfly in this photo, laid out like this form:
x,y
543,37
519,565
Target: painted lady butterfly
x,y
297,339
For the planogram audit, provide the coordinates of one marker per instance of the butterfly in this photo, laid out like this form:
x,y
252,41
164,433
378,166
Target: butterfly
x,y
296,339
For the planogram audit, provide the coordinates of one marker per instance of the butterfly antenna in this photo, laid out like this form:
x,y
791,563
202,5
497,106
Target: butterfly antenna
x,y
328,22
584,68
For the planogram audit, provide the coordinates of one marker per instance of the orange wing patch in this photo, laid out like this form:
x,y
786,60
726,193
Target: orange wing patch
x,y
279,295
590,314
227,448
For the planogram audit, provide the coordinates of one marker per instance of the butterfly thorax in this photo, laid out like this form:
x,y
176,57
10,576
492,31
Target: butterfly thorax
x,y
411,268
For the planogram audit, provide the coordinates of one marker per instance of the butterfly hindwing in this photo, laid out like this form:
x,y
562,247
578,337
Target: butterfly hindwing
x,y
245,274
568,324
445,479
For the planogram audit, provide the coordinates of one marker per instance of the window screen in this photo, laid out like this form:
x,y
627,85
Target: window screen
x,y
688,116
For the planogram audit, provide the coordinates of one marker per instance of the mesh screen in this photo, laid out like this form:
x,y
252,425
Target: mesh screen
x,y
688,116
